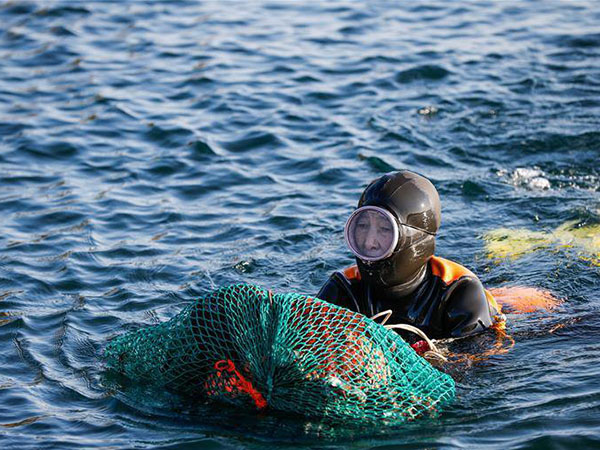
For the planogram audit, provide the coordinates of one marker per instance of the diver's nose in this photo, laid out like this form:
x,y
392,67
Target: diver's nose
x,y
372,242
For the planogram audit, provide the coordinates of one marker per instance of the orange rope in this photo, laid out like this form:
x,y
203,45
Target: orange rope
x,y
504,342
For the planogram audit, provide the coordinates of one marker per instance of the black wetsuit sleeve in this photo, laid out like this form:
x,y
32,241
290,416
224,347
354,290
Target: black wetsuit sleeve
x,y
467,308
338,290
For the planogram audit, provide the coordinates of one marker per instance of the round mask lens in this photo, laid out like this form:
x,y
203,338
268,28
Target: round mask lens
x,y
371,233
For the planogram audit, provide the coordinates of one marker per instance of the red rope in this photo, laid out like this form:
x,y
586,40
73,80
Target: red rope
x,y
238,380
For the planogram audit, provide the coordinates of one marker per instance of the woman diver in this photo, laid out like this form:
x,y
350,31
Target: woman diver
x,y
392,234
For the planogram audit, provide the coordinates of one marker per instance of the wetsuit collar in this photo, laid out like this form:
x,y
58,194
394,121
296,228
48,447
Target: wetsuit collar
x,y
408,287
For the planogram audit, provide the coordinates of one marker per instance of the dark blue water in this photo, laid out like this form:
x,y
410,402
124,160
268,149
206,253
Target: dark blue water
x,y
151,151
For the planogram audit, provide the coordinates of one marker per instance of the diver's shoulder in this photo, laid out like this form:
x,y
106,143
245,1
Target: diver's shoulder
x,y
348,277
341,289
450,271
463,283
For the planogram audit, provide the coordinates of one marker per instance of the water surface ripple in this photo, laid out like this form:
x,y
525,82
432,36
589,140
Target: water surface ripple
x,y
151,151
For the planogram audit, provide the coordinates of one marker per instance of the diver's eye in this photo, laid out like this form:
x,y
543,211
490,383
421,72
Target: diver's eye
x,y
362,226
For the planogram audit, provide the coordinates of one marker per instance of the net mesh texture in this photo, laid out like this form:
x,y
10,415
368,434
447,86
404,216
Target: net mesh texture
x,y
245,346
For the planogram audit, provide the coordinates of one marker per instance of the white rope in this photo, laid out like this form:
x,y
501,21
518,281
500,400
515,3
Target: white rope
x,y
387,313
433,352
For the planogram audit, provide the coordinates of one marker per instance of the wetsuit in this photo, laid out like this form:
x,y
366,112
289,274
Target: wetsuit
x,y
449,302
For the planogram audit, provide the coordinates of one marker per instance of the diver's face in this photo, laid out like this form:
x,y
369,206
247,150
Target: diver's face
x,y
373,234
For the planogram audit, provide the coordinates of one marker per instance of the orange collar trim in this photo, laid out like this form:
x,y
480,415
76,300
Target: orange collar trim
x,y
352,273
442,268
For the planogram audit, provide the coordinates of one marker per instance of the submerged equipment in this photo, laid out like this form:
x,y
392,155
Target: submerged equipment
x,y
507,243
246,346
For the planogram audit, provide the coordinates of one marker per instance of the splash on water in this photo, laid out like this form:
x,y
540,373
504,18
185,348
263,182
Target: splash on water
x,y
529,178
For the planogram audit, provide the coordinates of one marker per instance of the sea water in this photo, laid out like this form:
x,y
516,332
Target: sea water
x,y
151,151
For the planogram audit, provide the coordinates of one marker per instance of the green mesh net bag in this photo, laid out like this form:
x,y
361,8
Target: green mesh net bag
x,y
243,345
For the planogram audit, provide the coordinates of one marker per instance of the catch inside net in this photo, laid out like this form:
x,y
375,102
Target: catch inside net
x,y
246,346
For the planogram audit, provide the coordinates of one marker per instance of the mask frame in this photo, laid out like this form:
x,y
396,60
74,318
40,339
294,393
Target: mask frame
x,y
397,236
